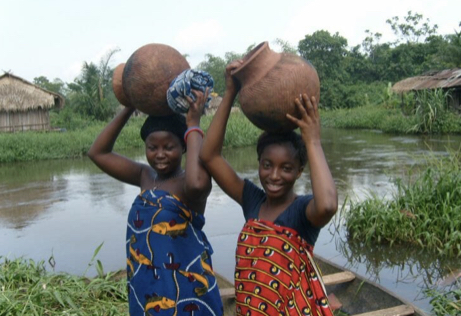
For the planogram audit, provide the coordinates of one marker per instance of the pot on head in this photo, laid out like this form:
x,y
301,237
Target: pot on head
x,y
270,82
147,75
117,85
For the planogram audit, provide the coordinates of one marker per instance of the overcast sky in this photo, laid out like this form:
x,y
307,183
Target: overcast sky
x,y
52,38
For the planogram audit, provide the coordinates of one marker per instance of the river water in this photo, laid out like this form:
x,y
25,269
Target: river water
x,y
66,208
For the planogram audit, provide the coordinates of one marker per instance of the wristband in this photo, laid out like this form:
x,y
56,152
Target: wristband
x,y
192,129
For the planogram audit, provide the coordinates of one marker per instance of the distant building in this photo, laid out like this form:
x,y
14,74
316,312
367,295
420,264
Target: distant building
x,y
448,79
25,106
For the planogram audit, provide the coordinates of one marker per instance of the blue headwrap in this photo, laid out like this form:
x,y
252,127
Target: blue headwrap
x,y
181,87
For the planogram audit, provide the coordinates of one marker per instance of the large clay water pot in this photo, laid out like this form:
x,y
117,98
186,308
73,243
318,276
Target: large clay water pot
x,y
147,75
117,85
270,82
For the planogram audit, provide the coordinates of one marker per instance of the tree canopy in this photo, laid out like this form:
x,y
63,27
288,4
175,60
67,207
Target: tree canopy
x,y
350,76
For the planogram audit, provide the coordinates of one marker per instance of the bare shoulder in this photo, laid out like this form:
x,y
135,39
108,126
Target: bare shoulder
x,y
147,177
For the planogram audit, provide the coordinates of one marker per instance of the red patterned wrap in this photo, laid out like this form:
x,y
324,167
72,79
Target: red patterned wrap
x,y
276,274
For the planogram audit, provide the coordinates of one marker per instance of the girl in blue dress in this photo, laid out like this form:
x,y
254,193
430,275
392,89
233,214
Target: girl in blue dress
x,y
168,256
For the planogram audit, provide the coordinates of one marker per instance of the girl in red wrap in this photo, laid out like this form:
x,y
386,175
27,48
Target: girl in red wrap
x,y
275,273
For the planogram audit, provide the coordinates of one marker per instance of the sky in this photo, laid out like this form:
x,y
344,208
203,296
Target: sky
x,y
53,38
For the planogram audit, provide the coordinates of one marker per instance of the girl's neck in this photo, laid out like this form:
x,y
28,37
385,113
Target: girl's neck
x,y
164,177
286,199
272,208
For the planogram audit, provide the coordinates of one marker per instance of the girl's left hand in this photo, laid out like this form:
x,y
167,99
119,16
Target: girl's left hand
x,y
309,124
196,108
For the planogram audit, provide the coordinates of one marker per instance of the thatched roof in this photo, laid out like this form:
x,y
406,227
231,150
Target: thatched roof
x,y
17,94
448,78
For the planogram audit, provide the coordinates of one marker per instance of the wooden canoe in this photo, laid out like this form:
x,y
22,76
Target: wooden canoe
x,y
349,294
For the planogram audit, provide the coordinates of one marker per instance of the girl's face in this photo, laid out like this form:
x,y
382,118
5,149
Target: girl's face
x,y
279,168
164,152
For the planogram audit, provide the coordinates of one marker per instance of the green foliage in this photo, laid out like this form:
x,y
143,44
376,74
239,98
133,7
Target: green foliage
x,y
449,49
91,93
445,303
369,43
326,52
389,119
56,86
216,67
328,55
413,28
408,103
67,119
240,131
75,143
32,145
431,110
389,98
343,71
286,46
28,289
368,117
425,210
334,94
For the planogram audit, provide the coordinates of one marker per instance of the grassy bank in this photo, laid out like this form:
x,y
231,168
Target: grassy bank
x,y
76,141
424,211
28,289
27,146
391,120
31,145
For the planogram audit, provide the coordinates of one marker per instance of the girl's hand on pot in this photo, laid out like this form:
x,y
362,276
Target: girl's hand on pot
x,y
196,108
309,122
232,84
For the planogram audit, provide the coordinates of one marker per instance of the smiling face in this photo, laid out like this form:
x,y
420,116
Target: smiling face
x,y
164,152
279,168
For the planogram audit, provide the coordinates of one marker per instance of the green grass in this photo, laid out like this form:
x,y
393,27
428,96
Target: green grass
x,y
240,132
389,120
28,289
446,303
27,146
75,142
425,210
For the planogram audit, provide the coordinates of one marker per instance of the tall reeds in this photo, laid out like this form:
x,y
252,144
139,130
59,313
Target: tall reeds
x,y
424,211
28,289
431,110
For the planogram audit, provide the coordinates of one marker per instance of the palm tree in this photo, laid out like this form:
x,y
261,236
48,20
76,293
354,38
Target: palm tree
x,y
91,92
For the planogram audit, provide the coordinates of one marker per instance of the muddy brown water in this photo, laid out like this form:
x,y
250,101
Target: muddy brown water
x,y
67,208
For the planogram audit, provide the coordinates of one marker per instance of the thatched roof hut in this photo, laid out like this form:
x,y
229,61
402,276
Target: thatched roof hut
x,y
448,79
25,106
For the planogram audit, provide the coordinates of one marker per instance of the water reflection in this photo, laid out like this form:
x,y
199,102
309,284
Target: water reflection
x,y
68,208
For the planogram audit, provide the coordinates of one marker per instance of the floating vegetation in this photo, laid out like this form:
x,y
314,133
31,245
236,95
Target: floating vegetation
x,y
28,289
425,210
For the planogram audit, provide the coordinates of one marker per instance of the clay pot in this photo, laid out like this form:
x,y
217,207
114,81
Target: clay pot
x,y
147,75
270,82
117,85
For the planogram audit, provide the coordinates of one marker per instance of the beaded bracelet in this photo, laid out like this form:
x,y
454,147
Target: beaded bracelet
x,y
192,129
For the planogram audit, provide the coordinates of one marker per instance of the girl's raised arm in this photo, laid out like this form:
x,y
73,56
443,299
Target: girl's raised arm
x,y
197,186
210,154
325,203
115,165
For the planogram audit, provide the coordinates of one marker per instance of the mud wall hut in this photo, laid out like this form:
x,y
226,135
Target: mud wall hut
x,y
25,106
448,79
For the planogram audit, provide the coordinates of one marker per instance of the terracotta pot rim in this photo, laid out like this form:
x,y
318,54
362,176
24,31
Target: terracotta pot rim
x,y
251,56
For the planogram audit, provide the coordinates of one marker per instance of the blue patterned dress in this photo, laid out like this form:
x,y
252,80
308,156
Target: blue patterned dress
x,y
169,259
